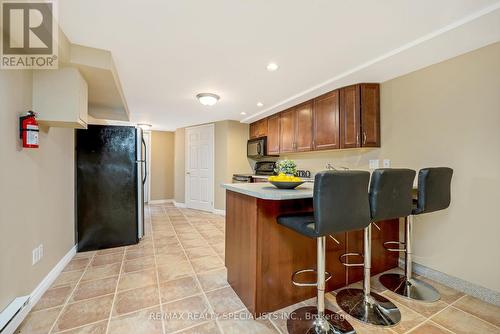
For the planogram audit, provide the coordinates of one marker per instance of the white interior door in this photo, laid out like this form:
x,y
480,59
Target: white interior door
x,y
200,167
146,155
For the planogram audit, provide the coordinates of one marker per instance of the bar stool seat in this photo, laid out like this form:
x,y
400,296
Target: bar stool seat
x,y
340,204
302,223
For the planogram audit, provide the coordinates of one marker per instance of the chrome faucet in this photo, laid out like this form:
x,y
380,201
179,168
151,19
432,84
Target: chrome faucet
x,y
329,166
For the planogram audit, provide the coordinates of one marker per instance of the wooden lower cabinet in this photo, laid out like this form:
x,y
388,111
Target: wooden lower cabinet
x,y
261,255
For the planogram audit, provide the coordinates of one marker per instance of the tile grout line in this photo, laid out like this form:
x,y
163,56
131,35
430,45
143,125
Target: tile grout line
x,y
116,292
195,275
156,270
429,318
66,302
474,316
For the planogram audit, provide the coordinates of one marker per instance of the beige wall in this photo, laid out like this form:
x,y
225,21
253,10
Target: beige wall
x,y
162,165
179,168
36,193
230,156
447,114
229,153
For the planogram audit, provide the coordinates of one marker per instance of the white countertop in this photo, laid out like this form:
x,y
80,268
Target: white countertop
x,y
305,179
265,190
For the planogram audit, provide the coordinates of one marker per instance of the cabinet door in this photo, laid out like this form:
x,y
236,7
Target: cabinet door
x,y
303,134
262,128
273,134
326,130
287,131
253,130
350,117
370,115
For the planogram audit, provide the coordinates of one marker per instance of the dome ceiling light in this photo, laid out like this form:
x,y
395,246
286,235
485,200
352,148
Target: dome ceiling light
x,y
208,99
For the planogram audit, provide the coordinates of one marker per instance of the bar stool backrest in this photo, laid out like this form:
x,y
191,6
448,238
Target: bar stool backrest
x,y
341,201
434,189
391,193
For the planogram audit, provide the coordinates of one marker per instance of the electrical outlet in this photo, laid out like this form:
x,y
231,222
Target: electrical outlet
x,y
374,164
387,163
37,254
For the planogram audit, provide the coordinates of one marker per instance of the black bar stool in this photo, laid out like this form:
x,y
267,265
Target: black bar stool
x,y
390,197
434,194
340,204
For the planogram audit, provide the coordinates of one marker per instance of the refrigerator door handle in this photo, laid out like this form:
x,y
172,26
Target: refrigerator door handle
x,y
145,162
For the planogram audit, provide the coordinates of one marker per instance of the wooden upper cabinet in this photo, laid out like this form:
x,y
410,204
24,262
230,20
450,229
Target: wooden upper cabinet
x,y
350,117
304,127
370,115
287,130
258,129
326,121
253,130
273,134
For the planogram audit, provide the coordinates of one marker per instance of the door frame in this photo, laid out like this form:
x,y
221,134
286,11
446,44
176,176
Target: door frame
x,y
211,126
148,162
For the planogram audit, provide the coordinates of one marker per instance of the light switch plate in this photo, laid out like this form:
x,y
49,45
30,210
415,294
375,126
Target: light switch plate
x,y
387,163
374,164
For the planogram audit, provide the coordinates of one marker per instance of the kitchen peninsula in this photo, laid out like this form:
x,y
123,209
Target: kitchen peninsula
x,y
262,255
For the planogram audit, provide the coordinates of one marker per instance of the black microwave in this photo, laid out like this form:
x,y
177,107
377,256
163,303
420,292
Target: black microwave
x,y
257,147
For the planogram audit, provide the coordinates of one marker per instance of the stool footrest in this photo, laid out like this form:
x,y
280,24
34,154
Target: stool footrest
x,y
346,255
298,272
390,249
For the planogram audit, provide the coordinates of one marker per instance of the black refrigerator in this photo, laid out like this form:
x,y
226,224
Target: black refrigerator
x,y
110,175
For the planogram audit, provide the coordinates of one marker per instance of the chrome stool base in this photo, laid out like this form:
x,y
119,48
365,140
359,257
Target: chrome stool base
x,y
412,288
378,310
302,321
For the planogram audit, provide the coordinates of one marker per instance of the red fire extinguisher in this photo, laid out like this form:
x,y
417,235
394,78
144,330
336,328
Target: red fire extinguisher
x,y
28,127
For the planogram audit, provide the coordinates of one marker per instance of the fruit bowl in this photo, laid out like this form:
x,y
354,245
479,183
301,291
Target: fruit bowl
x,y
286,184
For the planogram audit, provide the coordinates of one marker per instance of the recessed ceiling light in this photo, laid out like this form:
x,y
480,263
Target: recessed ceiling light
x,y
260,104
208,99
243,113
271,67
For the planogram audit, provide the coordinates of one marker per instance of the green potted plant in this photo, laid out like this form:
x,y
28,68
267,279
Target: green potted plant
x,y
288,167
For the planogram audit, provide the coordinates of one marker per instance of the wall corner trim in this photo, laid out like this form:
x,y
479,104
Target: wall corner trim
x,y
38,292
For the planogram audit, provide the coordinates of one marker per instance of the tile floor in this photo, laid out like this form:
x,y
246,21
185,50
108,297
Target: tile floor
x,y
179,267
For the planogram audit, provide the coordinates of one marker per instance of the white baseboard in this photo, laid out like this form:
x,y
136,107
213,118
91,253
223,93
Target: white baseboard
x,y
161,201
39,291
179,204
219,212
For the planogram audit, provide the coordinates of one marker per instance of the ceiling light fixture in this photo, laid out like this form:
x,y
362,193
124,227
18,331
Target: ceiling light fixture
x,y
260,104
208,99
243,113
271,67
